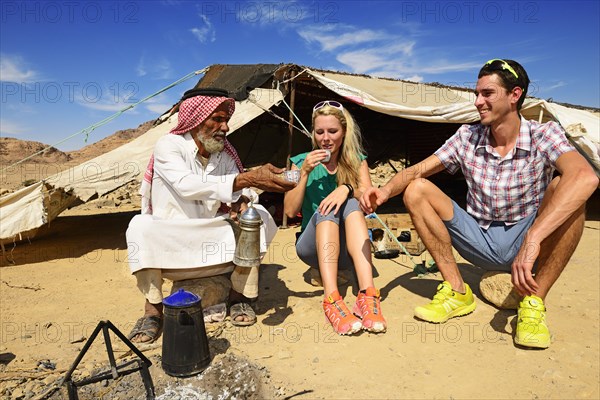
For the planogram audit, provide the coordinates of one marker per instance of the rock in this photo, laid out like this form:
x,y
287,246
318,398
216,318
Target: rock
x,y
10,385
29,386
78,339
50,379
17,393
105,202
46,364
213,290
497,288
84,374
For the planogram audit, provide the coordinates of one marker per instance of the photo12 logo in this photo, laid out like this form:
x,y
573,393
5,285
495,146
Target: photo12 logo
x,y
54,92
470,11
69,11
253,12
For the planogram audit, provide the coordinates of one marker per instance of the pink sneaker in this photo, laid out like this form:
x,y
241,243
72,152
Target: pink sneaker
x,y
368,308
336,312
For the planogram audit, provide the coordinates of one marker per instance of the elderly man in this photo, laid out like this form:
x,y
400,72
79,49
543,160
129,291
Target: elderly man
x,y
193,188
518,218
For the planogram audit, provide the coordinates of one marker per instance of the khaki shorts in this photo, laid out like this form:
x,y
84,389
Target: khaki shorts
x,y
243,280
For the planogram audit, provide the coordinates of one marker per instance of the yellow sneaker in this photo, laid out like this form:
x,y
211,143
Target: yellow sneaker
x,y
532,330
446,304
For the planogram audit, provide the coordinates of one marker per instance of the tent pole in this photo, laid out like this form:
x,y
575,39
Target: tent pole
x,y
541,115
290,135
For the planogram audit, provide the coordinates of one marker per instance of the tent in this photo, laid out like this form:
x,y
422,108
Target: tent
x,y
398,119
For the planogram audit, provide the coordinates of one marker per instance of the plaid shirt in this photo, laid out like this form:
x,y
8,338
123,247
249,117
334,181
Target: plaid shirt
x,y
505,189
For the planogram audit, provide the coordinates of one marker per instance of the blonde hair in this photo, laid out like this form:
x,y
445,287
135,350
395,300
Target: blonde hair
x,y
349,154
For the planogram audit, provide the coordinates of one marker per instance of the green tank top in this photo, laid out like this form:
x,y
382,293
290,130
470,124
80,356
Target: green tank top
x,y
320,184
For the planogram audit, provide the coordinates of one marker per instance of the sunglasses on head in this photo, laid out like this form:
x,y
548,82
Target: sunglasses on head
x,y
505,66
330,103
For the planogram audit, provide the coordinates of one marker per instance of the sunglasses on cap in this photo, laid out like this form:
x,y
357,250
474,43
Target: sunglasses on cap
x,y
330,103
505,66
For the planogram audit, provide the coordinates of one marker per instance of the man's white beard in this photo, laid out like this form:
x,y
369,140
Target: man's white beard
x,y
211,145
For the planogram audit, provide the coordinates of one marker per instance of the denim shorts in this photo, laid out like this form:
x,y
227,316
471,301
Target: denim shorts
x,y
494,248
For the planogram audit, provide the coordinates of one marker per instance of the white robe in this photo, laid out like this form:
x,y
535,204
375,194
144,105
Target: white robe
x,y
185,229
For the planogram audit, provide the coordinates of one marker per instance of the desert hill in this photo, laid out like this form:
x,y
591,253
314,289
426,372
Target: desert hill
x,y
52,160
13,150
110,142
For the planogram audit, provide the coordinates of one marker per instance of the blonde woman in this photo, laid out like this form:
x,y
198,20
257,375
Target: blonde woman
x,y
334,231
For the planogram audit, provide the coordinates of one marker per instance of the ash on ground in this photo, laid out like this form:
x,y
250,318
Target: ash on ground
x,y
229,376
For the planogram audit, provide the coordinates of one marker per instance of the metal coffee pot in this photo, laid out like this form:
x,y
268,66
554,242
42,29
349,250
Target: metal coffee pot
x,y
247,249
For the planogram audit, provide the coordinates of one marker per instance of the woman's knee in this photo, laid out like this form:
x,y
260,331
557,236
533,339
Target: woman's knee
x,y
355,223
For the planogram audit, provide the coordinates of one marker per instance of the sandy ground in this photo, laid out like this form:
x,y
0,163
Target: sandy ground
x,y
75,274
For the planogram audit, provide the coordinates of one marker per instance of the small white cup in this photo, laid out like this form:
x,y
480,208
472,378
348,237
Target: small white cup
x,y
327,157
292,175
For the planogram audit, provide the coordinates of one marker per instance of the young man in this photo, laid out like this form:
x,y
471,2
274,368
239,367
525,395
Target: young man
x,y
518,218
182,232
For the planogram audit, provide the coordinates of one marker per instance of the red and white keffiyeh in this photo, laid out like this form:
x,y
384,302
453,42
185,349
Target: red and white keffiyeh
x,y
192,112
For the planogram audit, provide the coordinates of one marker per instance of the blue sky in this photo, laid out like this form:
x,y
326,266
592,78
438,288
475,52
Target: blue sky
x,y
66,65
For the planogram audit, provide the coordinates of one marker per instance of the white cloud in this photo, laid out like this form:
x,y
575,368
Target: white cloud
x,y
103,99
158,108
555,86
330,37
10,128
19,107
159,68
13,69
205,33
103,105
163,69
362,61
140,69
363,51
412,70
159,104
441,67
379,52
386,57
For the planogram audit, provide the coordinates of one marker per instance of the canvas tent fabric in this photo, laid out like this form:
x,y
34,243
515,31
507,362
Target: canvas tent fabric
x,y
25,210
442,108
409,100
427,114
429,103
22,210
